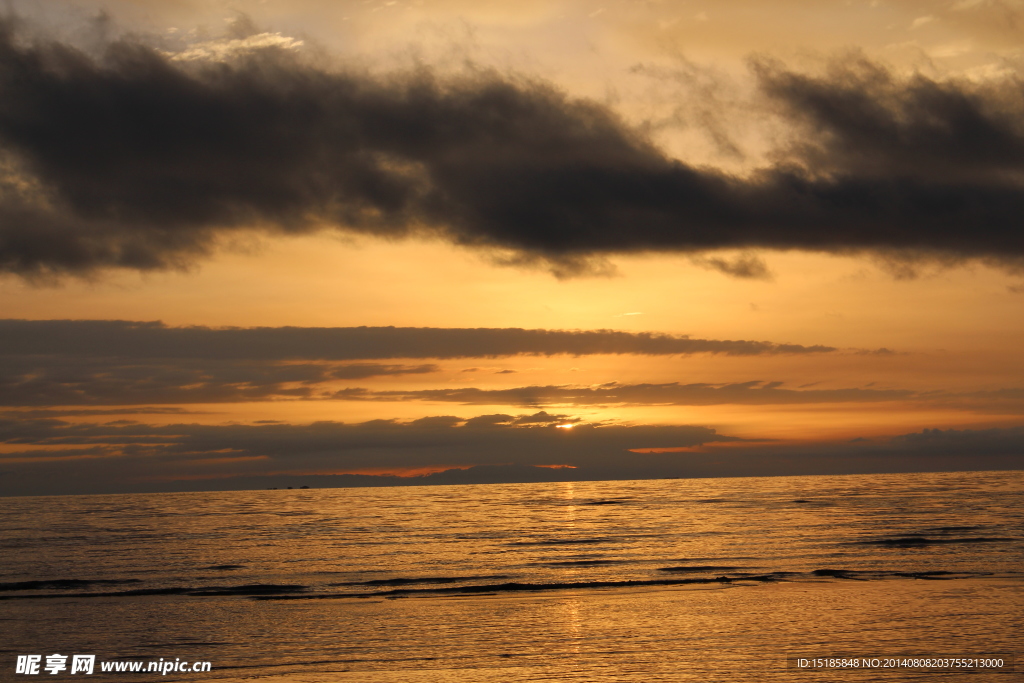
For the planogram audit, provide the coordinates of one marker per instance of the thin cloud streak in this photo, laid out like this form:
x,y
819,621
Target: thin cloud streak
x,y
138,340
670,393
64,381
1006,400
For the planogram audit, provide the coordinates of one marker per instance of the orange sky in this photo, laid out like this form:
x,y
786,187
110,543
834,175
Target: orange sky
x,y
677,71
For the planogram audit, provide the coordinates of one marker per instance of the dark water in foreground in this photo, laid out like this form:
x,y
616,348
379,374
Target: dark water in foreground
x,y
674,580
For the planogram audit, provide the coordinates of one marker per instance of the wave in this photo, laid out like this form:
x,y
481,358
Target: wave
x,y
398,587
737,579
512,586
426,579
61,584
246,590
580,563
566,541
867,575
700,568
920,541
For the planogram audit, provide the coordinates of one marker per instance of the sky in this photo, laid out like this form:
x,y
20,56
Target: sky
x,y
260,243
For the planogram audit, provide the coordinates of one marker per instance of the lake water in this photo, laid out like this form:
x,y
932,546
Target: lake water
x,y
665,580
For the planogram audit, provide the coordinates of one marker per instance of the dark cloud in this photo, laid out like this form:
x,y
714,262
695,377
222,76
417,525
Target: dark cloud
x,y
748,266
545,418
96,412
110,362
149,340
118,363
361,370
539,418
861,119
962,440
61,380
136,159
133,454
118,457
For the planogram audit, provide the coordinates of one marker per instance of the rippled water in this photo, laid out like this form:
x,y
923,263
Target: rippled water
x,y
714,579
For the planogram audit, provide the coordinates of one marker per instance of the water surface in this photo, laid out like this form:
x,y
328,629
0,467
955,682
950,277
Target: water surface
x,y
713,579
